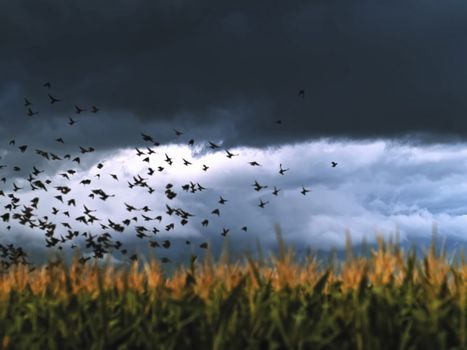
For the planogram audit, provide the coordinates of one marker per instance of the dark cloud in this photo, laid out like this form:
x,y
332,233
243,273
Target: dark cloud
x,y
368,69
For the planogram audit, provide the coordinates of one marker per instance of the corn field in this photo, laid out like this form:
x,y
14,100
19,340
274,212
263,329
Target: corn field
x,y
390,299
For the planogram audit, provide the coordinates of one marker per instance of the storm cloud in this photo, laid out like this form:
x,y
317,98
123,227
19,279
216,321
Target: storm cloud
x,y
369,69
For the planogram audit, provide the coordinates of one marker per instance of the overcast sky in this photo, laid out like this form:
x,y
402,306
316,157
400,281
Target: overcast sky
x,y
384,96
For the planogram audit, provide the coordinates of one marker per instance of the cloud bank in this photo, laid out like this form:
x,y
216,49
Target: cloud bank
x,y
377,188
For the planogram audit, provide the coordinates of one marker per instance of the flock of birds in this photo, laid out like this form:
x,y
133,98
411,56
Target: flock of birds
x,y
141,223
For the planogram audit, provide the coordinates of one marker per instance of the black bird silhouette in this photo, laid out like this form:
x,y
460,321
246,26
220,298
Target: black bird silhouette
x,y
225,231
222,200
229,154
205,222
262,204
216,212
71,121
47,85
36,171
282,170
168,159
301,93
191,142
204,245
27,102
178,133
129,207
304,191
334,164
244,228
94,109
139,153
254,163
276,191
23,148
154,244
147,138
53,99
205,167
213,145
78,109
60,140
258,187
31,113
185,162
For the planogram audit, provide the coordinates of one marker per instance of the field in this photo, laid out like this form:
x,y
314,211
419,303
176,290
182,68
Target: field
x,y
390,299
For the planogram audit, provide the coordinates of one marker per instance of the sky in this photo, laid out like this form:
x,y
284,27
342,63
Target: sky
x,y
383,96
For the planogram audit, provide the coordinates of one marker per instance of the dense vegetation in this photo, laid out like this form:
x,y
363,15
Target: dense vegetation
x,y
387,300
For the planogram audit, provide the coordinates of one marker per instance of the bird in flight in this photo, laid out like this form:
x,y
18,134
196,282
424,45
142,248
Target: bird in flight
x,y
53,99
304,191
78,109
147,138
258,187
71,121
254,163
334,164
27,102
229,154
47,85
301,93
168,159
262,204
94,109
282,170
31,113
212,145
276,191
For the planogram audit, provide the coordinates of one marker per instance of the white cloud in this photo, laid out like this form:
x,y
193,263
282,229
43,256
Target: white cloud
x,y
378,187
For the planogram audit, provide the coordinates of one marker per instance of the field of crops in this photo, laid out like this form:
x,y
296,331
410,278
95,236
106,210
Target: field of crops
x,y
387,300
